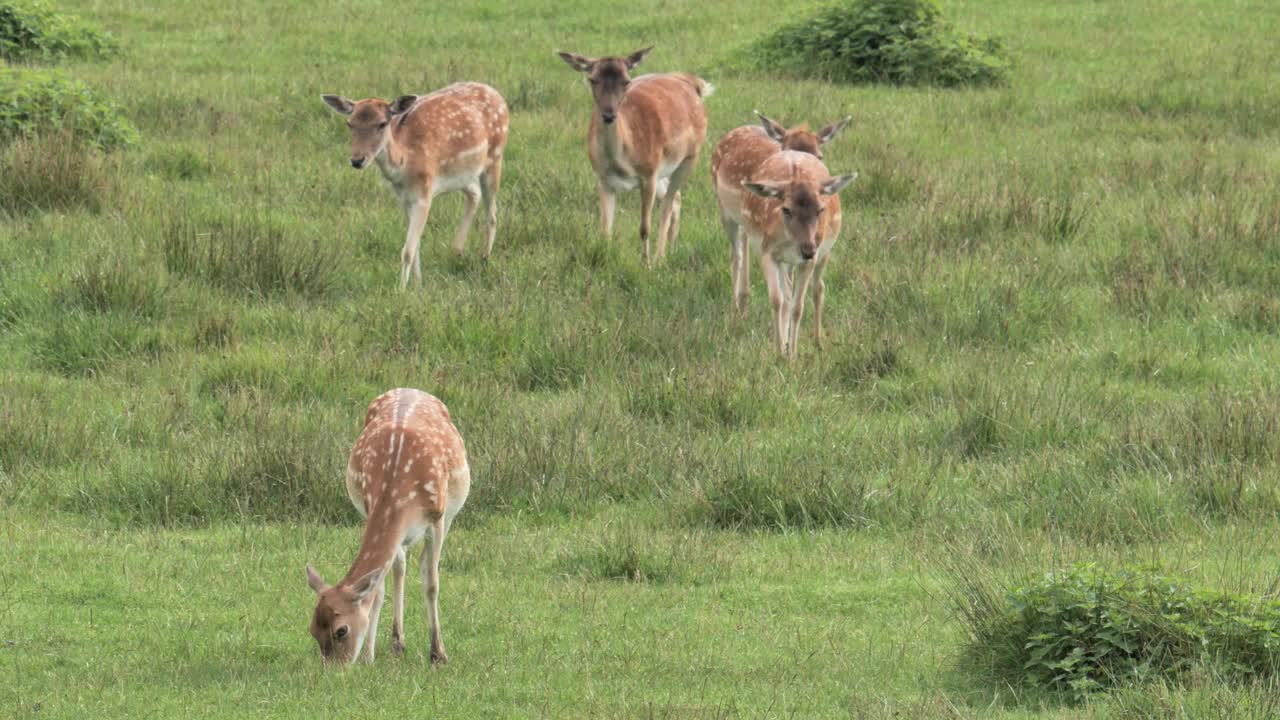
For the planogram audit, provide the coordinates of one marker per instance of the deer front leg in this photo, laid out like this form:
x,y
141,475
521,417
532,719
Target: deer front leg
x,y
819,293
608,206
648,191
397,620
371,635
417,209
797,305
471,199
773,278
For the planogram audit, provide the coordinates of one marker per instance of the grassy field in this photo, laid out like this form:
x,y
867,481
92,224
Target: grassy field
x,y
1052,332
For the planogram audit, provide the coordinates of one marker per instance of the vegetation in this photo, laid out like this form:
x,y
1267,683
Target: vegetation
x,y
32,31
1051,337
34,102
902,42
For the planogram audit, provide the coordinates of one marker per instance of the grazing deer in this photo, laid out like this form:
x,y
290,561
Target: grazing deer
x,y
408,476
736,157
789,212
450,140
646,131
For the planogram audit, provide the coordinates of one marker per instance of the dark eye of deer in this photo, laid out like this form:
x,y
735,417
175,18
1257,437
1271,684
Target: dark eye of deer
x,y
341,632
786,212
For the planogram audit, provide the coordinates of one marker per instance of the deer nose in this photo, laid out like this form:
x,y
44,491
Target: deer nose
x,y
357,163
608,117
808,252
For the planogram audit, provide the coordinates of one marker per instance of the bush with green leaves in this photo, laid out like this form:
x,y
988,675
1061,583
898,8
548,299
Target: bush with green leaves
x,y
31,30
42,102
902,42
1086,629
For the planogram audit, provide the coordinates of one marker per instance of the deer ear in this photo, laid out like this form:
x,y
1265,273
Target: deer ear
x,y
581,63
773,129
765,190
835,185
314,580
828,133
339,104
634,58
402,104
361,588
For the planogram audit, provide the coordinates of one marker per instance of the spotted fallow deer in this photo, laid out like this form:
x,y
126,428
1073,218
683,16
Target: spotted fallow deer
x,y
789,212
736,157
646,131
408,476
450,140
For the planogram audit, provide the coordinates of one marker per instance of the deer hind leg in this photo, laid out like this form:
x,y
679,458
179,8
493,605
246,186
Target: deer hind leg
x,y
736,259
429,566
489,183
397,620
670,223
608,206
648,191
471,201
417,209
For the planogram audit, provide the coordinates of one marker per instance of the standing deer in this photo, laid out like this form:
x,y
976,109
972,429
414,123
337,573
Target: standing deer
x,y
450,140
646,131
736,157
788,210
408,476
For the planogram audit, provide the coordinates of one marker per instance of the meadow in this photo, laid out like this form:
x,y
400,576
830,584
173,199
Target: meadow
x,y
1052,328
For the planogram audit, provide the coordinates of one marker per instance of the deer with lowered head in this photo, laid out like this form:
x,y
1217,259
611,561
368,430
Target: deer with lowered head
x,y
408,476
782,203
646,132
737,156
449,141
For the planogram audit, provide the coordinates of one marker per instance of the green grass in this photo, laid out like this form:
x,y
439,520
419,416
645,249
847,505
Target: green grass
x,y
1051,336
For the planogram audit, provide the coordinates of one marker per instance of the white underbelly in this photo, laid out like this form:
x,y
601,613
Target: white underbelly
x,y
621,183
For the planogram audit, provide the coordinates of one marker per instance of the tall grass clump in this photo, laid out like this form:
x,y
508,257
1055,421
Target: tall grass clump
x,y
31,30
53,173
900,42
40,102
1086,629
250,252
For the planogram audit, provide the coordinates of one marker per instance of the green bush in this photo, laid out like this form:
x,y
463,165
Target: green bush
x,y
38,102
903,42
32,30
1086,629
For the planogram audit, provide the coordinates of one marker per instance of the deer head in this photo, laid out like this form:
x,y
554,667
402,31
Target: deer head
x,y
608,77
370,122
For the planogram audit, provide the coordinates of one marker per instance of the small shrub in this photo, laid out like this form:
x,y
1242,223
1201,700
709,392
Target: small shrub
x,y
1087,629
902,42
32,30
38,102
53,173
120,282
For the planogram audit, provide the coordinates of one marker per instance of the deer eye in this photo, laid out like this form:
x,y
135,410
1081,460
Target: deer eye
x,y
341,632
786,212
593,81
384,124
821,209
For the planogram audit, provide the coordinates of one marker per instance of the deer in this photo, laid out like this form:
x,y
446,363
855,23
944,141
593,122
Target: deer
x,y
408,476
645,131
737,155
449,141
788,210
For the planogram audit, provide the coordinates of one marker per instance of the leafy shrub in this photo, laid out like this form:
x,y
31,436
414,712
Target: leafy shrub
x,y
32,30
903,42
1086,629
38,102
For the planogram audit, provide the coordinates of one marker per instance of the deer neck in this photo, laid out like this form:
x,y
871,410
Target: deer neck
x,y
383,534
611,138
391,158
